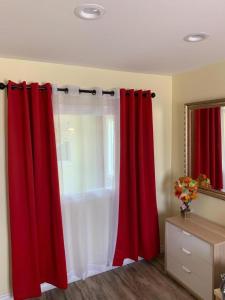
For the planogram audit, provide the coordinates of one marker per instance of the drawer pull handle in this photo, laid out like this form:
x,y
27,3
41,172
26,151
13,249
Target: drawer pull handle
x,y
186,251
186,233
186,269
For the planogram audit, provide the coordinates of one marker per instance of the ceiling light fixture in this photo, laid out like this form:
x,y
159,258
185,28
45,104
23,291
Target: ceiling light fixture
x,y
89,11
195,37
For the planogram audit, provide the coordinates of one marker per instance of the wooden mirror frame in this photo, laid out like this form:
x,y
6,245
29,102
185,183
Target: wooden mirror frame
x,y
188,108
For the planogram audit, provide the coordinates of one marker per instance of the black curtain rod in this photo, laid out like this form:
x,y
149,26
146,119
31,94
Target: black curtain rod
x,y
65,90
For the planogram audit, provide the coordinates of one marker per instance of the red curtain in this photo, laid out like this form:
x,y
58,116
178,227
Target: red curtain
x,y
207,146
35,214
138,232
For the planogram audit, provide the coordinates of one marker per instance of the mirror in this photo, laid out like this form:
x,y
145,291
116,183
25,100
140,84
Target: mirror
x,y
205,144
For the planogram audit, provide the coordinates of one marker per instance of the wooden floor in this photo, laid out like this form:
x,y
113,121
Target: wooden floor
x,y
137,281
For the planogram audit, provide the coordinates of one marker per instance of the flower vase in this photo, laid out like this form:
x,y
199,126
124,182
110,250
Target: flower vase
x,y
186,213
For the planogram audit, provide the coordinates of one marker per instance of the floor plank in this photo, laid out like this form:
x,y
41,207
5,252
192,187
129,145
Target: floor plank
x,y
137,281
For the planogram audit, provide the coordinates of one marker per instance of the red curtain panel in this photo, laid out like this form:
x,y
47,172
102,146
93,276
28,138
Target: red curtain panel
x,y
34,204
207,146
138,231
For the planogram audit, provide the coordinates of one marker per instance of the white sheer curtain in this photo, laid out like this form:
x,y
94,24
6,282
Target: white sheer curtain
x,y
87,136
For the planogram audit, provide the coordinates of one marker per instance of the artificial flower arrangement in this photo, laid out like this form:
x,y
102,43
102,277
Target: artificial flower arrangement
x,y
186,190
204,181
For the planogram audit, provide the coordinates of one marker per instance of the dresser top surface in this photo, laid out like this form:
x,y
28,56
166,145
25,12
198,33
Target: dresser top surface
x,y
200,227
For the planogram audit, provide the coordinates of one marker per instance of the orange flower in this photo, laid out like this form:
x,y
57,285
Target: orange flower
x,y
187,179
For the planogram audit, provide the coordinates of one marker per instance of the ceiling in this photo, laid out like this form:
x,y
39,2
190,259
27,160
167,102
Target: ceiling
x,y
134,35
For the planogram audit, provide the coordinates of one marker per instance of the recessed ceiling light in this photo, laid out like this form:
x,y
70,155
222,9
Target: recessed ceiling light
x,y
195,37
89,11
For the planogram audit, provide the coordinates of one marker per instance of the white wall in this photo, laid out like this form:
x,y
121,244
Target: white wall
x,y
18,70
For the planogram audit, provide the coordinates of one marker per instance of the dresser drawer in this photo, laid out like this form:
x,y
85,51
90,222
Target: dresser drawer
x,y
188,277
184,257
185,245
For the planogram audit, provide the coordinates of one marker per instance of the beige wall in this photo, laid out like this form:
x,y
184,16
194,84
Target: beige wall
x,y
203,84
17,70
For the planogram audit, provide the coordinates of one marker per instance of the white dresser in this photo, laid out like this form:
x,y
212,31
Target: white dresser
x,y
195,254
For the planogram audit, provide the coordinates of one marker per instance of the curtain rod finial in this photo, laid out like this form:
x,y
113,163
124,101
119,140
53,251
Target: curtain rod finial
x,y
153,95
2,86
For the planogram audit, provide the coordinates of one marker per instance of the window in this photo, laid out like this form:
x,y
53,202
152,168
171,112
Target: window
x,y
87,146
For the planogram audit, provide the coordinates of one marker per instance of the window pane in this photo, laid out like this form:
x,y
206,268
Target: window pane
x,y
86,152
